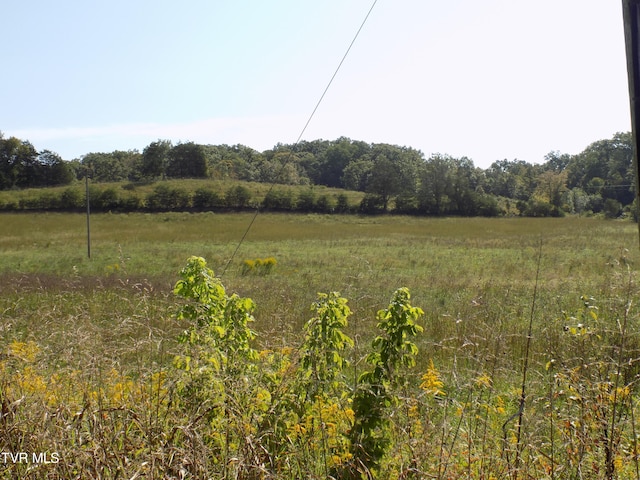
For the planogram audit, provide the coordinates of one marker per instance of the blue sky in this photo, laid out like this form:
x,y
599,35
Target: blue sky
x,y
489,79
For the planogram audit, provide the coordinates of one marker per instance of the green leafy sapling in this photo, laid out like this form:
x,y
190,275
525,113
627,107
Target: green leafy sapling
x,y
394,351
322,360
219,338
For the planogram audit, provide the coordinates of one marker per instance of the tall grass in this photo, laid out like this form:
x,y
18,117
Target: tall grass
x,y
87,345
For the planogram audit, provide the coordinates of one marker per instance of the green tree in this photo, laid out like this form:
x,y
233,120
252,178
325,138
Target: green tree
x,y
155,157
18,163
72,199
321,355
187,160
435,184
610,160
463,184
556,161
551,187
500,180
453,186
356,174
342,203
30,172
282,167
335,159
107,200
512,179
309,157
324,204
110,167
56,170
237,162
394,172
578,199
384,181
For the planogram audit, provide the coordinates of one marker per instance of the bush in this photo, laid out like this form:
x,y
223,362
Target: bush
x,y
371,204
72,199
206,198
324,204
595,203
539,208
238,197
107,200
487,206
281,200
41,200
166,198
342,203
130,203
306,201
612,208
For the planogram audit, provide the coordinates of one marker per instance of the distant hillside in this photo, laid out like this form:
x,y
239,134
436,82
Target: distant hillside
x,y
342,175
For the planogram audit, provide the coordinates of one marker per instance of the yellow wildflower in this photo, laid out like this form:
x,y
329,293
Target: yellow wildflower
x,y
483,381
26,351
431,382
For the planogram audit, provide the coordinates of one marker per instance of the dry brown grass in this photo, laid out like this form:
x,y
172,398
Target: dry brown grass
x,y
87,346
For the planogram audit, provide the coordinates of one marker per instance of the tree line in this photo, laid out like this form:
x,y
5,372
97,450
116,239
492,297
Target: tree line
x,y
392,178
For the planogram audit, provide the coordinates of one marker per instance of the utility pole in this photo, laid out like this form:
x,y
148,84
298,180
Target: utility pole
x,y
631,17
86,180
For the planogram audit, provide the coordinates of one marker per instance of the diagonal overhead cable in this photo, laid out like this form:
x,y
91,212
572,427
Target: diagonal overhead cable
x,y
326,89
336,72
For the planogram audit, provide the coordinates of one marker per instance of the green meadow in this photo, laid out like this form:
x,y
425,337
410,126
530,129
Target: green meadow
x,y
510,305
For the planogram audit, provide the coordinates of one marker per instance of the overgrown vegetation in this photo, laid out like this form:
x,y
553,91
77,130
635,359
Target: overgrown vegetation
x,y
126,377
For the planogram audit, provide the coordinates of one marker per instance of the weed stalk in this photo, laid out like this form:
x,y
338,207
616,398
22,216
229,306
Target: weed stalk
x,y
523,389
611,445
635,441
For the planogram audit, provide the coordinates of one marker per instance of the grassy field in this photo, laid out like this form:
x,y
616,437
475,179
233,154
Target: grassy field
x,y
89,344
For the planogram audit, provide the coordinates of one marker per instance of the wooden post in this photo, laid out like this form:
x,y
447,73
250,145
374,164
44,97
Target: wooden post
x,y
86,179
631,17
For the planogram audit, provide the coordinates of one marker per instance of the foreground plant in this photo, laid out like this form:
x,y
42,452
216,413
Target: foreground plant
x,y
377,388
258,415
217,359
322,380
322,353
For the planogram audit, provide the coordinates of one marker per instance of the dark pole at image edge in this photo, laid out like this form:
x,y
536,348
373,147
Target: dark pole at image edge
x,y
631,17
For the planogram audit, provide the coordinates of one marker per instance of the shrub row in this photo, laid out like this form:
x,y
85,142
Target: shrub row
x,y
165,197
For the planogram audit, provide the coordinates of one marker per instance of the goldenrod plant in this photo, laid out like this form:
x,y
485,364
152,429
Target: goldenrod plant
x,y
258,266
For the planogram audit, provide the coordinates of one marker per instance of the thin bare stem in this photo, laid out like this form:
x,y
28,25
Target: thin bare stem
x,y
635,441
610,450
523,392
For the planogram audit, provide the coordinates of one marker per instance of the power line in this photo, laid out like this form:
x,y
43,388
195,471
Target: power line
x,y
284,163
